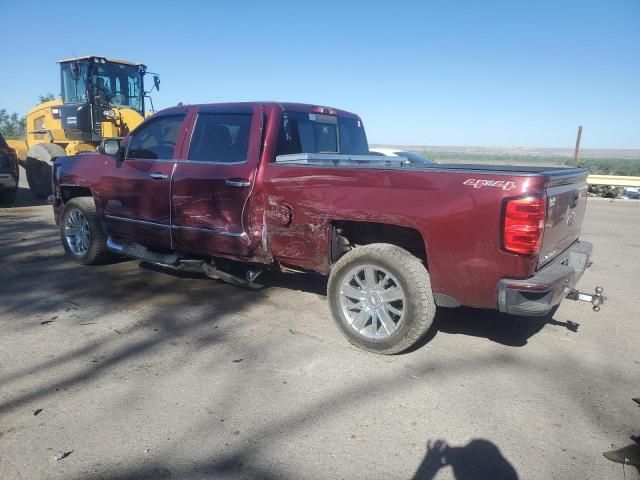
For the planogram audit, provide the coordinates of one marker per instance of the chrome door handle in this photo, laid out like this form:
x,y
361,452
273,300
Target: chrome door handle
x,y
237,182
158,176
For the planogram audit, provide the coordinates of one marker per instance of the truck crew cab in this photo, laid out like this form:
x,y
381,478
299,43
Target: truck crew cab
x,y
233,189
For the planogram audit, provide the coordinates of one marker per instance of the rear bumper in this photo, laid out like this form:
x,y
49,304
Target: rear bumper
x,y
538,295
8,181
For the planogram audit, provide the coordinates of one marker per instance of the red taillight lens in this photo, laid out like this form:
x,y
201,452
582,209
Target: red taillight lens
x,y
524,224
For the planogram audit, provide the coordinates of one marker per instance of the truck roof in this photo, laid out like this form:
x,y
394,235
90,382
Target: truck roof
x,y
289,106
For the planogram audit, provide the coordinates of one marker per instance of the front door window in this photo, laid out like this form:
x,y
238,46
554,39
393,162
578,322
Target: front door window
x,y
156,139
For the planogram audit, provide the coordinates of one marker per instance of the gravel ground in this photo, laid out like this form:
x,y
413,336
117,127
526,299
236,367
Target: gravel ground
x,y
142,374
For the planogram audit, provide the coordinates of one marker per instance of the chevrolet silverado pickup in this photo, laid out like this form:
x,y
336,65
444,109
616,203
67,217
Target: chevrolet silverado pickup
x,y
234,189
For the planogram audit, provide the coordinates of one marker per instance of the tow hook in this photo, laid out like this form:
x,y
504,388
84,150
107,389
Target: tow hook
x,y
596,299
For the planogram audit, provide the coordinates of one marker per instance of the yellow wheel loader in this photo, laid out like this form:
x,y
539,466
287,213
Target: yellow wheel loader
x,y
100,98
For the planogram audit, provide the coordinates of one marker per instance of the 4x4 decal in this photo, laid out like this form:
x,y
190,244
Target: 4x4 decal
x,y
490,183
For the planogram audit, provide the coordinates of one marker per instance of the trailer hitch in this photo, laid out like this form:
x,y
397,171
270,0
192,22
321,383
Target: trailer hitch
x,y
596,299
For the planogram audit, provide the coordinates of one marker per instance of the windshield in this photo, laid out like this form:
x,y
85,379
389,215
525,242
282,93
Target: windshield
x,y
117,85
109,84
314,133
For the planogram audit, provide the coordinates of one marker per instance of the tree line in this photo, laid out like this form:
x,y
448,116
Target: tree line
x,y
13,126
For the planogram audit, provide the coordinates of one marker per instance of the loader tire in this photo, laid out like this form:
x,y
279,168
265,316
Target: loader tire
x,y
39,166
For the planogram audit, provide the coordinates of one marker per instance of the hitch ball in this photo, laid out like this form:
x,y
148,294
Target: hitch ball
x,y
596,299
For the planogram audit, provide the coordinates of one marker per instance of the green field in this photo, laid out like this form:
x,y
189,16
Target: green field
x,y
596,165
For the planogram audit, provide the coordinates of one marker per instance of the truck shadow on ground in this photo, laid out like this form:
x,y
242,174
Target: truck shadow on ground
x,y
479,459
509,330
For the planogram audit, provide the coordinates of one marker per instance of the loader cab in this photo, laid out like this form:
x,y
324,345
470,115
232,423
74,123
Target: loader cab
x,y
91,86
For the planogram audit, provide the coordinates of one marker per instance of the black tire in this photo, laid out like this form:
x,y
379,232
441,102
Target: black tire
x,y
97,251
39,166
7,197
418,305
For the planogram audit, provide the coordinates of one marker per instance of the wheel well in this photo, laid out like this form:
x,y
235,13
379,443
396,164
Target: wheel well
x,y
72,192
346,235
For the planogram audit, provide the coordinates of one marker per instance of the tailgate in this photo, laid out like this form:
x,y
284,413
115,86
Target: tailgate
x,y
566,204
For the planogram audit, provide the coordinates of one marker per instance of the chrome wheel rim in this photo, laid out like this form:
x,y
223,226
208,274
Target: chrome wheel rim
x,y
76,232
372,301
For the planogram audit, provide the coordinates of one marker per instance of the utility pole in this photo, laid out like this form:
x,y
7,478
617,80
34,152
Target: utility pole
x,y
577,150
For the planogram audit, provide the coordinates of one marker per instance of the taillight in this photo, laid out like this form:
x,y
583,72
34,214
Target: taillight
x,y
524,224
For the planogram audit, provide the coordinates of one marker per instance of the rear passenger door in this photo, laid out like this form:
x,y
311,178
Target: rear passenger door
x,y
211,186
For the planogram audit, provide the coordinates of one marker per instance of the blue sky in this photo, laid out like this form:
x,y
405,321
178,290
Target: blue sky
x,y
448,72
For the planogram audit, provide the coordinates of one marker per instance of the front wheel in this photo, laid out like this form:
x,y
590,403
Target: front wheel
x,y
380,297
81,233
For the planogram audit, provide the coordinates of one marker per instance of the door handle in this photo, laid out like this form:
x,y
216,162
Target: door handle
x,y
237,182
158,176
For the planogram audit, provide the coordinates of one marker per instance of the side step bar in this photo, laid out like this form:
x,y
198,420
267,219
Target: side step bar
x,y
173,261
136,250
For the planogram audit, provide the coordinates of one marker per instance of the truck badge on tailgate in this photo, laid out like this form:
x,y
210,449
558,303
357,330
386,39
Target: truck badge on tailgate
x,y
490,183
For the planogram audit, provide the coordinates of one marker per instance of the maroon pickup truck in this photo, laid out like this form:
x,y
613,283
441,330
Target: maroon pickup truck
x,y
233,189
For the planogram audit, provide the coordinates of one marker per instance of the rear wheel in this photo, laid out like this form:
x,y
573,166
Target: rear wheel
x,y
39,165
380,297
81,233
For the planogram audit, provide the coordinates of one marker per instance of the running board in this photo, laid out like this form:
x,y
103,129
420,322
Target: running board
x,y
135,250
248,281
175,262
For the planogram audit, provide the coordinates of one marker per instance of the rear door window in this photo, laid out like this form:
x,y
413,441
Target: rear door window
x,y
220,138
301,132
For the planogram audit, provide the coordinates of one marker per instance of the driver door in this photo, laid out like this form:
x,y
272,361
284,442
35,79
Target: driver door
x,y
135,193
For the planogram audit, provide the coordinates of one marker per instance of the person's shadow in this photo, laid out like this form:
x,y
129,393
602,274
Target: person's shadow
x,y
478,460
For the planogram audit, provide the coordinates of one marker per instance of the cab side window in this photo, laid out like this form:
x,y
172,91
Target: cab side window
x,y
220,138
156,139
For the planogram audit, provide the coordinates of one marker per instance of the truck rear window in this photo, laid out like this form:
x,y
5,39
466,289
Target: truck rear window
x,y
3,144
315,133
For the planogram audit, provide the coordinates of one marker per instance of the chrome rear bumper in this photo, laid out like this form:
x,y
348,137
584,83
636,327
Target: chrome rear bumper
x,y
537,295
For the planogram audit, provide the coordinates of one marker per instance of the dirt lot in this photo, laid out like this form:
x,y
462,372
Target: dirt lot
x,y
145,375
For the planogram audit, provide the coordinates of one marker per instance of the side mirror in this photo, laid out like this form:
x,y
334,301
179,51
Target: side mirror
x,y
156,82
110,146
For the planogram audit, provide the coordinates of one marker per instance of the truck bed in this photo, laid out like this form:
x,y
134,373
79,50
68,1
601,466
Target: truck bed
x,y
401,163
